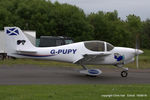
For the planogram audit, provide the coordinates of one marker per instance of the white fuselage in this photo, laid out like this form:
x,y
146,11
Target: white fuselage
x,y
72,52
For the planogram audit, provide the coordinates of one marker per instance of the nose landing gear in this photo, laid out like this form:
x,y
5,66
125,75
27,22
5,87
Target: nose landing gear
x,y
124,73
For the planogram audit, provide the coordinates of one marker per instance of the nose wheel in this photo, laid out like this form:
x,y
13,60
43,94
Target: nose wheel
x,y
124,73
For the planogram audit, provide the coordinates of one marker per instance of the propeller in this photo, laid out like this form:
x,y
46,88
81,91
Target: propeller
x,y
137,60
137,51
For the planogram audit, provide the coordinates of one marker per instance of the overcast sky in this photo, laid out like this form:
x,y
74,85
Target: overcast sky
x,y
124,7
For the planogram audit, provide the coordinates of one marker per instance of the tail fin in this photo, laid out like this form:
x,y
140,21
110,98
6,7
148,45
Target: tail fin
x,y
16,41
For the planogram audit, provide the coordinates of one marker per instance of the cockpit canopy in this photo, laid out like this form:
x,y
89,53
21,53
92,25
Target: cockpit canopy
x,y
98,46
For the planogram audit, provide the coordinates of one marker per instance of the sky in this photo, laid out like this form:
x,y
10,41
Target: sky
x,y
124,7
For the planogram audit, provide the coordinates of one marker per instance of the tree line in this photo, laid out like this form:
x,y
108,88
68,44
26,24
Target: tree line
x,y
55,19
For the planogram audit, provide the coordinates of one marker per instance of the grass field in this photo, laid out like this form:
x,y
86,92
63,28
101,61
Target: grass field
x,y
75,92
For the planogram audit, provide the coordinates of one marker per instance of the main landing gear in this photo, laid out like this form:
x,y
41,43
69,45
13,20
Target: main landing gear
x,y
90,72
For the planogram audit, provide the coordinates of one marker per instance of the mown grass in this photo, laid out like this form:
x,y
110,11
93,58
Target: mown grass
x,y
144,62
34,62
74,92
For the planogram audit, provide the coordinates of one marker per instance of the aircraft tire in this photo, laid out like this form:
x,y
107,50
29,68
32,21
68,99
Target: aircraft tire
x,y
124,73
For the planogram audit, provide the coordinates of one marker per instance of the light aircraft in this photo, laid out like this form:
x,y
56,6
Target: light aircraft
x,y
81,53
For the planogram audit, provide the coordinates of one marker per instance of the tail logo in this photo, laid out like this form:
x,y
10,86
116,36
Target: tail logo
x,y
21,42
12,31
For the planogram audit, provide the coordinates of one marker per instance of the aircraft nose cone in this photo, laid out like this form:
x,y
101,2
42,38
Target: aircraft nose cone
x,y
138,52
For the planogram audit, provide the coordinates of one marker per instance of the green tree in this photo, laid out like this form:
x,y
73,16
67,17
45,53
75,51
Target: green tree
x,y
134,26
109,27
145,40
71,21
48,18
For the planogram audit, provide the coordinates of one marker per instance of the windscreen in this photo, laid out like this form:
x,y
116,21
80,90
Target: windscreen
x,y
94,45
109,47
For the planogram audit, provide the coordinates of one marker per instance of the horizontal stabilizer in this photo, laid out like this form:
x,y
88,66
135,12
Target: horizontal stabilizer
x,y
26,51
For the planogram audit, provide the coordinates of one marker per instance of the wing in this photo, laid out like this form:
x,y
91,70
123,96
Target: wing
x,y
89,57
